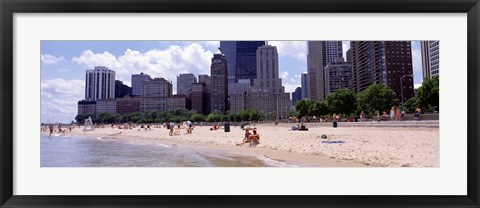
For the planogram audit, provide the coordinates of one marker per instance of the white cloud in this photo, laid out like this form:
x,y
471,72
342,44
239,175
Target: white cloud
x,y
90,59
416,86
295,49
49,59
290,83
284,75
59,99
168,63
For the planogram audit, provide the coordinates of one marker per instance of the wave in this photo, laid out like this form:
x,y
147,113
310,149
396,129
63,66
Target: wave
x,y
274,163
163,145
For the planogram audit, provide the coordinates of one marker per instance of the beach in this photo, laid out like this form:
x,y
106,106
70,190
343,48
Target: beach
x,y
344,146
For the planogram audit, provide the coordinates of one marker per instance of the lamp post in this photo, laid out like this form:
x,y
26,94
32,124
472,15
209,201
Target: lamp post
x,y
276,107
401,85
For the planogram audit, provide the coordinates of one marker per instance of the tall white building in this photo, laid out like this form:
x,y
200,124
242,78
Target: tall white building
x,y
430,58
137,80
319,54
99,84
267,70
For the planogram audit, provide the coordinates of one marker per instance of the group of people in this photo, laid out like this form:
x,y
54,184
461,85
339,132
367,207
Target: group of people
x,y
299,127
51,129
176,131
253,139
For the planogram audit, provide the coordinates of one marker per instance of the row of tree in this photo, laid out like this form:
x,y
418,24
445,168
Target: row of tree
x,y
178,115
376,98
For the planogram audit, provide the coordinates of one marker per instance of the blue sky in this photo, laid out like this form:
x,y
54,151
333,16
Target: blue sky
x,y
63,65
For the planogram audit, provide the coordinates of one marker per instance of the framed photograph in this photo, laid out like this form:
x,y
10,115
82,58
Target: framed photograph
x,y
243,104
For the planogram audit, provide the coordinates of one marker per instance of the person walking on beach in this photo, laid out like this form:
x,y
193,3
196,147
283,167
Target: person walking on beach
x,y
362,116
51,129
171,125
189,127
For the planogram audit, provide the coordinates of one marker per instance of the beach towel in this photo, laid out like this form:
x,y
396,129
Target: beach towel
x,y
333,142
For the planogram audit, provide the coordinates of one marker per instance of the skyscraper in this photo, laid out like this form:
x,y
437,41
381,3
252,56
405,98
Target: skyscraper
x,y
200,97
99,83
267,93
184,83
399,68
338,75
121,90
383,62
246,59
155,93
430,58
219,80
296,95
320,53
137,80
229,49
304,80
267,77
206,103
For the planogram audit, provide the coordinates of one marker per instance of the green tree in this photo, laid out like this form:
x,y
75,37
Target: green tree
x,y
376,97
197,117
302,107
428,94
136,117
342,101
293,113
411,104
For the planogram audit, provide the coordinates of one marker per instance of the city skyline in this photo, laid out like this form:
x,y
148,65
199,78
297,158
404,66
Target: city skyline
x,y
63,65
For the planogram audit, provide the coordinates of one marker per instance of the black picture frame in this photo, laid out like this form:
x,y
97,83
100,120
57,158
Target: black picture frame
x,y
9,7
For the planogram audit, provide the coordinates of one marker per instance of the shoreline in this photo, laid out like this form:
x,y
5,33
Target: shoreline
x,y
292,159
360,147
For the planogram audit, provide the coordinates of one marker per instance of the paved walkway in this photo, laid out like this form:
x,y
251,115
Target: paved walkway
x,y
403,124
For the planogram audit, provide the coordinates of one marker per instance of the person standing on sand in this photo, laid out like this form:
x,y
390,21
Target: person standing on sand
x,y
51,129
392,114
171,125
398,115
362,116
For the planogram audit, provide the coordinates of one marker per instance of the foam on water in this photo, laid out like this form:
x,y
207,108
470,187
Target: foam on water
x,y
274,163
163,145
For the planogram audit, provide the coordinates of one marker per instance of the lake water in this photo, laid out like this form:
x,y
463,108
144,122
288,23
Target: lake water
x,y
70,151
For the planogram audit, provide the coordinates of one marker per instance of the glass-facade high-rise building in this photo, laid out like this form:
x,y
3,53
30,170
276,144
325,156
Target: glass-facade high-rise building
x,y
229,49
304,85
246,60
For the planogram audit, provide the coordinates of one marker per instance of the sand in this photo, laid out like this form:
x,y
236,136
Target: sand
x,y
361,146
